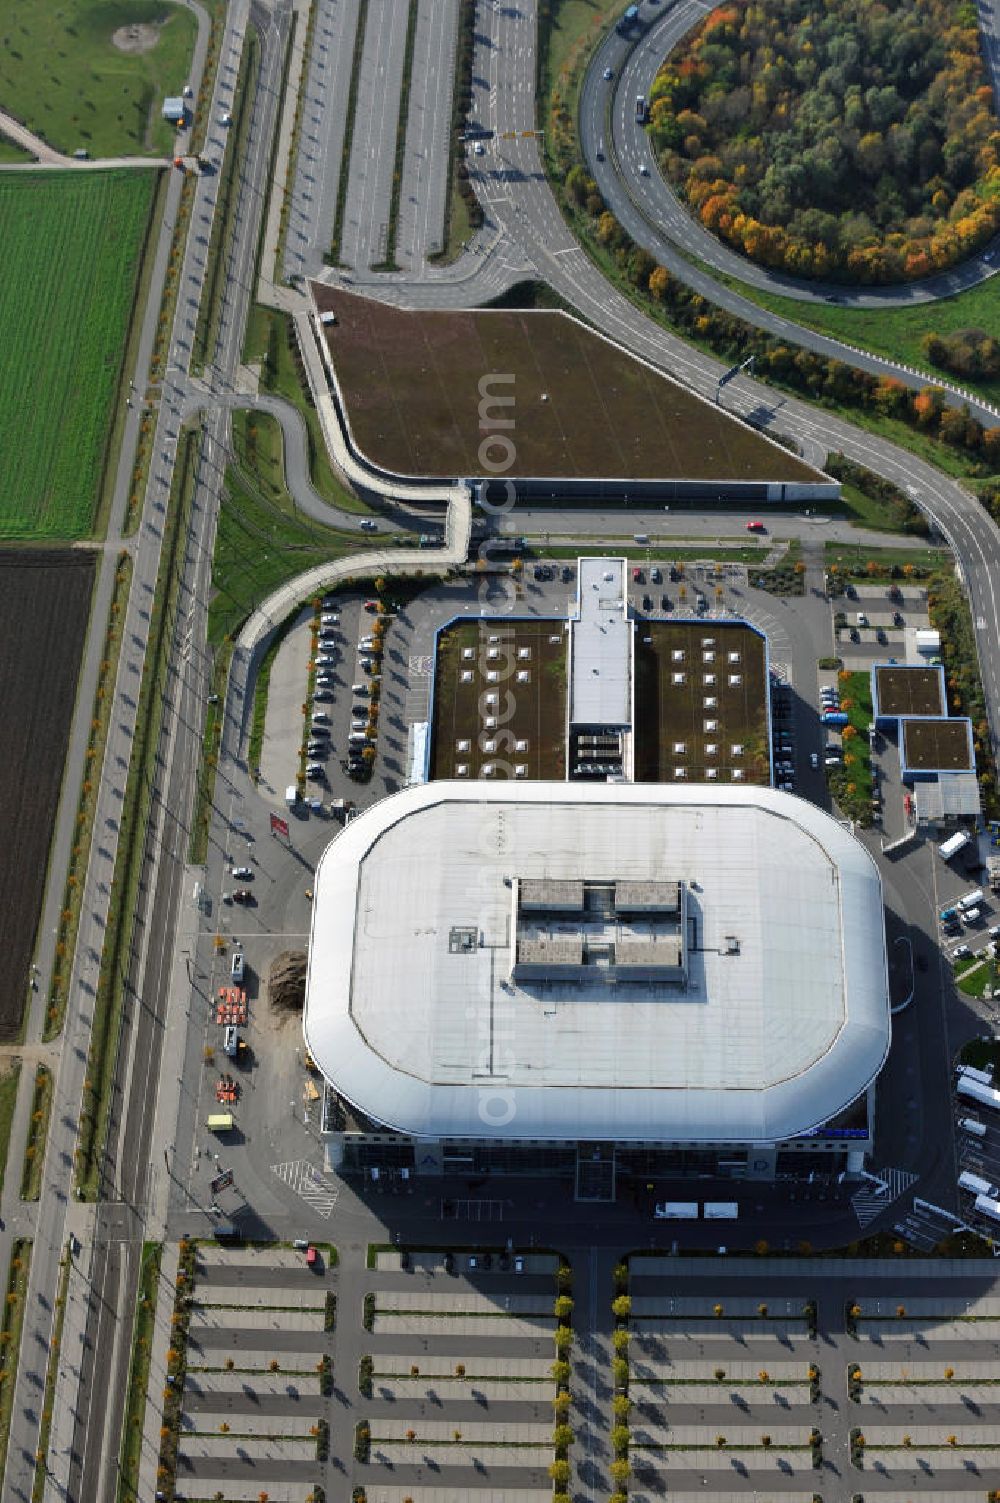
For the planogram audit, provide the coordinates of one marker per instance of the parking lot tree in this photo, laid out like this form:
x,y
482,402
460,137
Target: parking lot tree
x,y
620,1339
620,1439
761,1309
563,1338
619,1371
620,1276
562,1437
621,1306
949,1373
561,1404
720,1375
560,1372
763,1376
620,1469
620,1406
559,1471
459,1369
765,1441
563,1307
720,1441
718,1310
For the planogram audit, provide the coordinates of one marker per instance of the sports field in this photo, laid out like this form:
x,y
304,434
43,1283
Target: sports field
x,y
73,245
93,73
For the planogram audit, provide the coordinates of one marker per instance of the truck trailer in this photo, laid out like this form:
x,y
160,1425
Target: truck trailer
x,y
974,1090
953,845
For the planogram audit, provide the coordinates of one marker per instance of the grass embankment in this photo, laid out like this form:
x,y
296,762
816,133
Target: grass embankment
x,y
270,340
857,562
851,783
224,219
11,1323
8,1096
62,74
11,153
898,333
79,858
117,956
138,1377
65,306
51,1376
38,1131
262,540
392,229
345,155
975,975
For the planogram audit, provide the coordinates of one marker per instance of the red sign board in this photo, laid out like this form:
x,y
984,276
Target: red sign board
x,y
279,826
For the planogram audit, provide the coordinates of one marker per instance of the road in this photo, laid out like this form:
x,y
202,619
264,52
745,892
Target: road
x,y
373,145
316,180
424,188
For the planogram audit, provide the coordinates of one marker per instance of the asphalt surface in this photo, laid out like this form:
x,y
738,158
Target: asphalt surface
x,y
424,188
364,239
316,179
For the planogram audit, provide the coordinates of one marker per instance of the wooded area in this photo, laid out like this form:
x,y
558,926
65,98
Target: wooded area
x,y
843,139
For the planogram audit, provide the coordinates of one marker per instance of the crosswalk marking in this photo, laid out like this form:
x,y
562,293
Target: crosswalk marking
x,y
316,1188
870,1201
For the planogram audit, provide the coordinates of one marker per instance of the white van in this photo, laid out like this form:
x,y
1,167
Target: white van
x,y
976,1185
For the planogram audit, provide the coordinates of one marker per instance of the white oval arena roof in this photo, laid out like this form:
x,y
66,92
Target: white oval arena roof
x,y
433,1038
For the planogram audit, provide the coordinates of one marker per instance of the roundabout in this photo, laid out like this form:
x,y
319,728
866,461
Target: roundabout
x,y
620,157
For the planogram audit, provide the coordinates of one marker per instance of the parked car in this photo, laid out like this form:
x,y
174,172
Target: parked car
x,y
244,872
242,895
655,576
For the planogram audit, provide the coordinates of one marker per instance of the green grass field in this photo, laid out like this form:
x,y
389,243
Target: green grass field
x,y
73,245
64,77
897,332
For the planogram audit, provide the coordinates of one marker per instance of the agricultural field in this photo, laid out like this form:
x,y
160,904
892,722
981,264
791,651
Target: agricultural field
x,y
44,607
93,73
73,248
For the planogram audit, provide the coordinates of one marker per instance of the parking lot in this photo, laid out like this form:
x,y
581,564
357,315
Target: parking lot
x,y
454,1382
253,1414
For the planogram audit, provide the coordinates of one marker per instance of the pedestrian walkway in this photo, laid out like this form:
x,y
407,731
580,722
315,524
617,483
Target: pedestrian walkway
x,y
157,1385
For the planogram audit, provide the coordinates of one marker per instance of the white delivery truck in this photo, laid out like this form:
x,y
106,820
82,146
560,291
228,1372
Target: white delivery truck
x,y
969,1072
291,795
676,1210
971,900
721,1210
976,1185
971,1125
988,1207
953,845
974,1090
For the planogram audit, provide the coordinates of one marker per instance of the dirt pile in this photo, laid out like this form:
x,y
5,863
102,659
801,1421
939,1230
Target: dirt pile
x,y
286,981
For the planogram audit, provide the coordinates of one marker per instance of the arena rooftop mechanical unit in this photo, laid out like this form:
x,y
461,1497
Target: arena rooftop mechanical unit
x,y
626,963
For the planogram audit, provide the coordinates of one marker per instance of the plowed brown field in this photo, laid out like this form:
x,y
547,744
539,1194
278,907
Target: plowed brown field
x,y
44,604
